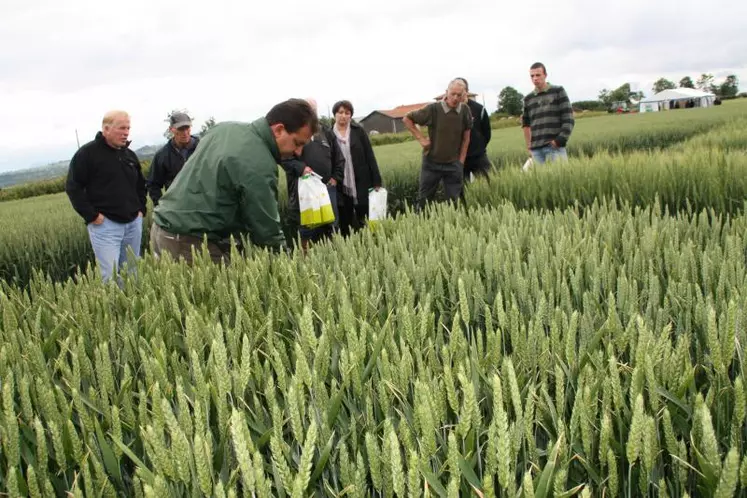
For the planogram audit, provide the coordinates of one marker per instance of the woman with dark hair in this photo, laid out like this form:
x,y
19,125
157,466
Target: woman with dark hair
x,y
361,169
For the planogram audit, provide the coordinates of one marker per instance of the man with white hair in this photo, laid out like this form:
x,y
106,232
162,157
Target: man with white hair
x,y
322,155
106,187
445,150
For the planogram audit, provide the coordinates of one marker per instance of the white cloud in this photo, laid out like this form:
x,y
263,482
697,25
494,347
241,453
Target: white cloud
x,y
65,64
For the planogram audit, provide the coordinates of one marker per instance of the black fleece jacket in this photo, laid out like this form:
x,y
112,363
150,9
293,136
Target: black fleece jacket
x,y
108,181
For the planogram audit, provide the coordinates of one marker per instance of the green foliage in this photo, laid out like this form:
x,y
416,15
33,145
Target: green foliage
x,y
705,82
510,101
579,330
589,105
730,87
495,370
663,84
687,82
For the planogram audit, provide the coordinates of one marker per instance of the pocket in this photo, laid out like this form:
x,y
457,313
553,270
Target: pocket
x,y
94,225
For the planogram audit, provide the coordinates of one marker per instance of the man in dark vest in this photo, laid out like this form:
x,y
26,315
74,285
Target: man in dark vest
x,y
445,151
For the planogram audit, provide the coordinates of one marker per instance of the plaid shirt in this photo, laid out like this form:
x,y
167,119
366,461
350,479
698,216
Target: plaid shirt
x,y
549,115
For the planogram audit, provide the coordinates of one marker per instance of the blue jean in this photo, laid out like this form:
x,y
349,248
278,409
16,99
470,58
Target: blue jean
x,y
548,153
316,233
111,240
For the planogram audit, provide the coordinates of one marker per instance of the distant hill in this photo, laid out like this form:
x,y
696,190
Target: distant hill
x,y
46,172
59,168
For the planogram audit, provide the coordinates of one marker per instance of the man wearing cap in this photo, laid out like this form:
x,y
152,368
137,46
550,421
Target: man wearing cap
x,y
229,187
170,159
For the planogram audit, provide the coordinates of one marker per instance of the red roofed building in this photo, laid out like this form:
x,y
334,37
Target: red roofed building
x,y
388,121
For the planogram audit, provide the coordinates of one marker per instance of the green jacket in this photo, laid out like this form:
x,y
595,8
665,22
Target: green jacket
x,y
228,186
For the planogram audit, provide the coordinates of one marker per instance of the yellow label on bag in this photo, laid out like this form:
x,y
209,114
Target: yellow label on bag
x,y
311,217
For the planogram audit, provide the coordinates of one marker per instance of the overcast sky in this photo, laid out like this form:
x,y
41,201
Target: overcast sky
x,y
63,64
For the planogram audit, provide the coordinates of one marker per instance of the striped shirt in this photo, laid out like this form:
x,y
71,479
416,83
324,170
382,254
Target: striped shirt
x,y
549,115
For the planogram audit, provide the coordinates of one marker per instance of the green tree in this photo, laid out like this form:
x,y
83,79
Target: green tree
x,y
730,86
687,82
510,101
705,82
620,94
326,121
663,84
209,123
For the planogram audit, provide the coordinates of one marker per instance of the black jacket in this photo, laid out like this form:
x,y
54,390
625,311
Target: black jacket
x,y
105,180
323,155
167,162
481,132
366,168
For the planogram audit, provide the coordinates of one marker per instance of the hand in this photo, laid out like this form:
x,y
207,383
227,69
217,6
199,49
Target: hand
x,y
140,214
307,170
99,219
377,187
425,143
554,144
332,182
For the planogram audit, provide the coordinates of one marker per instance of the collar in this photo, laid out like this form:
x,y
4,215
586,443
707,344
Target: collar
x,y
547,87
189,145
101,139
447,109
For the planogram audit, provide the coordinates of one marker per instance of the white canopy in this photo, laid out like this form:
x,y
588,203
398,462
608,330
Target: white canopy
x,y
678,94
675,98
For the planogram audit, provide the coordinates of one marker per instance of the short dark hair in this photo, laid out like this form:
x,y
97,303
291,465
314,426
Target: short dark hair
x,y
466,85
539,65
344,104
294,114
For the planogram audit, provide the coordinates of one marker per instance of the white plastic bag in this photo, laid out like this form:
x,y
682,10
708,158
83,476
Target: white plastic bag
x,y
377,204
528,164
314,203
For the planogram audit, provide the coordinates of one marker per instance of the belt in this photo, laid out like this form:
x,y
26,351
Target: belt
x,y
176,236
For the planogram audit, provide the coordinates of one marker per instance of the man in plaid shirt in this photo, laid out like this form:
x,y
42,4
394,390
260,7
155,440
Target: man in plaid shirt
x,y
547,119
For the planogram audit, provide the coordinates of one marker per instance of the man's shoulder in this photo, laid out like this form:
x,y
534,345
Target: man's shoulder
x,y
131,153
557,89
163,150
475,106
88,146
428,106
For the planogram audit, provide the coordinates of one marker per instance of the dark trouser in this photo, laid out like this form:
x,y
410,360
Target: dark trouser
x,y
478,166
431,174
352,217
181,245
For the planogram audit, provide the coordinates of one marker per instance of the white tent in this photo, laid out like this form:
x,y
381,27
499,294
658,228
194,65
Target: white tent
x,y
679,97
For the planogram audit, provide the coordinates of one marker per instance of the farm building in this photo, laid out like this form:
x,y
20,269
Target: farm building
x,y
388,121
